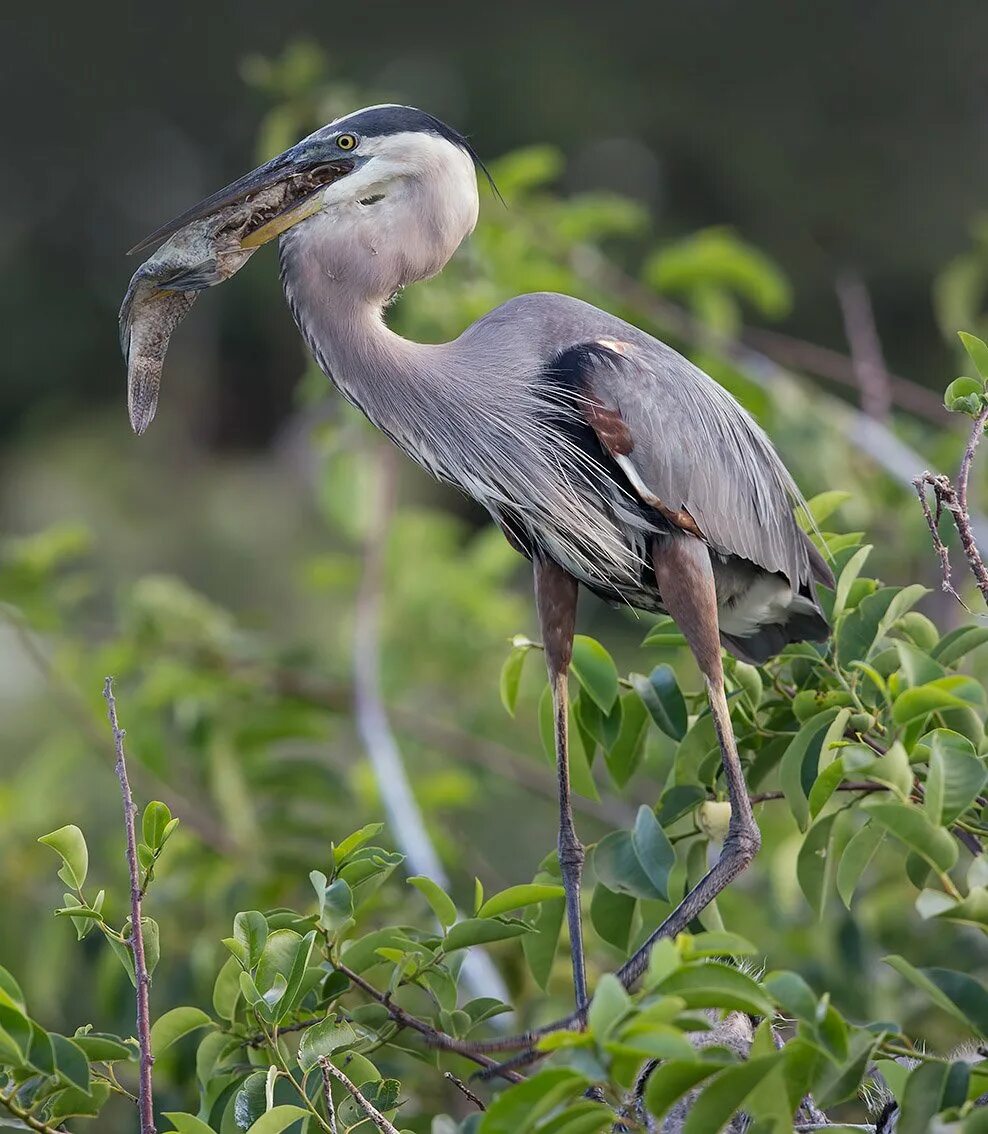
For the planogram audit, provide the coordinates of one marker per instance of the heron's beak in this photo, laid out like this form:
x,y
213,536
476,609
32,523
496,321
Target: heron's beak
x,y
304,170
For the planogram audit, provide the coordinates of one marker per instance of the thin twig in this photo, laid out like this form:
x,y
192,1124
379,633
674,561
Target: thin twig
x,y
327,1091
954,500
867,359
933,523
433,1037
25,1116
865,786
365,1104
464,1089
141,975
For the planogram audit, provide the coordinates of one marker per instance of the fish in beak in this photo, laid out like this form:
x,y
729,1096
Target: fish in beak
x,y
205,246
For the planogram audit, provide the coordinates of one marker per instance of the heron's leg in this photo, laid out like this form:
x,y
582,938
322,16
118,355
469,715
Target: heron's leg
x,y
686,583
555,598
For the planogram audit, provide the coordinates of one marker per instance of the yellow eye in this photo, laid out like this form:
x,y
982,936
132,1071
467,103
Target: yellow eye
x,y
347,142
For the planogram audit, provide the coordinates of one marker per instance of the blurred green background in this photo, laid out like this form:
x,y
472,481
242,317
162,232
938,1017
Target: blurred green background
x,y
706,169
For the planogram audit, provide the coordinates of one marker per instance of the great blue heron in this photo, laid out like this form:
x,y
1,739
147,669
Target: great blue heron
x,y
604,456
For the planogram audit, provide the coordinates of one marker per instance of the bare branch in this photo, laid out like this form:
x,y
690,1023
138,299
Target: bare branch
x,y
954,500
433,1037
141,975
867,359
464,1089
327,1093
365,1105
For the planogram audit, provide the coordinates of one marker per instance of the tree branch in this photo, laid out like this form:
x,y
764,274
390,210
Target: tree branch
x,y
25,1116
433,1037
327,1092
141,975
954,500
365,1105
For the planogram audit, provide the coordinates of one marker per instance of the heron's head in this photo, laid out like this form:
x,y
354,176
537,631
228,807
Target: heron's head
x,y
380,198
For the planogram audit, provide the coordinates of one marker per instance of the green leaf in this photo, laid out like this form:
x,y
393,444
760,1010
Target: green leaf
x,y
226,990
661,695
540,945
336,906
723,1096
953,692
964,395
155,823
10,991
670,1081
595,670
955,778
972,910
611,915
822,506
665,634
187,1123
977,351
103,1049
922,1098
911,826
861,629
955,645
323,1039
716,985
653,850
854,861
797,770
480,931
516,897
71,1061
625,754
852,569
617,866
441,903
794,994
278,1118
521,1106
961,996
610,1004
814,864
511,678
70,844
355,841
174,1025
250,931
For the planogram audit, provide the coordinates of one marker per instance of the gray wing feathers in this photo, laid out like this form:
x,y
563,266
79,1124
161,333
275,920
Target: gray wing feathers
x,y
697,449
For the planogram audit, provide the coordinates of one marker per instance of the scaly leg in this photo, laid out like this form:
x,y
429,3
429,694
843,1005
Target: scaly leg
x,y
555,599
686,583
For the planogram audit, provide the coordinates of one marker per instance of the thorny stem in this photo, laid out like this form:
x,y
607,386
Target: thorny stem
x,y
365,1104
141,975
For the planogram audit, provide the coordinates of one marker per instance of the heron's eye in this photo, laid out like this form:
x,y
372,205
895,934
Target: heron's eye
x,y
347,141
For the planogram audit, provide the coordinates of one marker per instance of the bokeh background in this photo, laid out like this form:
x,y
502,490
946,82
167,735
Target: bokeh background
x,y
793,195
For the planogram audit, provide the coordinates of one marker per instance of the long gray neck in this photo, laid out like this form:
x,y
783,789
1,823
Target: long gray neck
x,y
470,411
